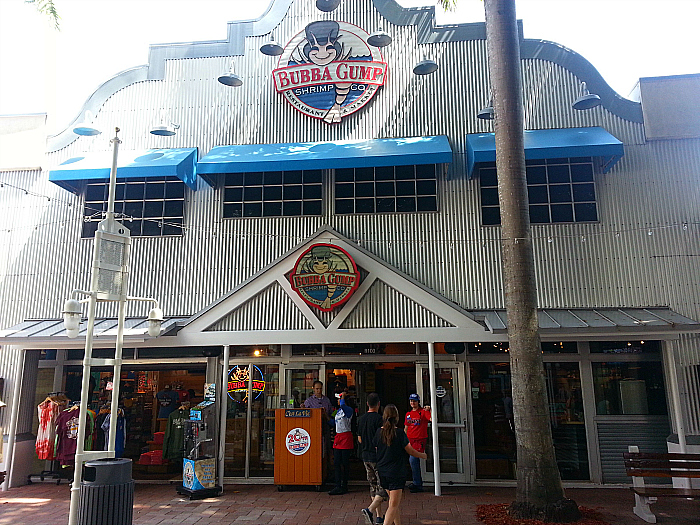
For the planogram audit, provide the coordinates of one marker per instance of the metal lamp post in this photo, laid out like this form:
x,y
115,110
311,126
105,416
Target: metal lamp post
x,y
110,265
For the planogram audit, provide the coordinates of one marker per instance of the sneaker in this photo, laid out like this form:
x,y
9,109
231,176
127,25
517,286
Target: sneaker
x,y
415,488
368,516
380,520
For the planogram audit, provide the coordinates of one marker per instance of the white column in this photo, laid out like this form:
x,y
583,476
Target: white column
x,y
116,380
434,418
82,412
222,421
10,455
670,359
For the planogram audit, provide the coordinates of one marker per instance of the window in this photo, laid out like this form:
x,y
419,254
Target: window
x,y
151,206
386,189
559,190
625,347
629,388
273,194
566,347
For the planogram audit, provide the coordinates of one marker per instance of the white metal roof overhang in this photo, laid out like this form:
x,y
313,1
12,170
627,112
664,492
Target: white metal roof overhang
x,y
597,323
51,331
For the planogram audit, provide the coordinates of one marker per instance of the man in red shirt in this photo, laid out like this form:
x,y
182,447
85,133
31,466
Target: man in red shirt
x,y
416,426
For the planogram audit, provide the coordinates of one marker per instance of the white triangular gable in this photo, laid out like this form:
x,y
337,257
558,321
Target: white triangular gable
x,y
387,307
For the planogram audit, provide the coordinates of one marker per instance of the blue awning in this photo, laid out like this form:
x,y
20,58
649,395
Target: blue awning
x,y
326,155
551,144
179,162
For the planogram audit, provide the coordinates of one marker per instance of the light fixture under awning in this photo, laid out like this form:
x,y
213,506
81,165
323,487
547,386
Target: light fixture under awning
x,y
607,322
177,162
326,155
551,144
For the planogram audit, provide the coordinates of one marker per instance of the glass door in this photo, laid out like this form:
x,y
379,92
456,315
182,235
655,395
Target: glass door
x,y
251,399
451,416
299,385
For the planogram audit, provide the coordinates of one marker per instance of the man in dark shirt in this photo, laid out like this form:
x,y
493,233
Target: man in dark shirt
x,y
318,400
368,425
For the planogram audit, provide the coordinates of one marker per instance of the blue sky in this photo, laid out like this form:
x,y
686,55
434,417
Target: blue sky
x,y
44,70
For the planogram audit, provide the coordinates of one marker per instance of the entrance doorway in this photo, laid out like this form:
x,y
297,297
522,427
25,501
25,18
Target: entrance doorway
x,y
393,382
451,416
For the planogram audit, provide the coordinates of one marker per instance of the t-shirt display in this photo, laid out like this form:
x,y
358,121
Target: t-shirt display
x,y
392,460
67,434
168,400
120,439
175,434
367,427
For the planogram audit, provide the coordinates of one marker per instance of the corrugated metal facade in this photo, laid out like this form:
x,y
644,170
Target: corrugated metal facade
x,y
643,252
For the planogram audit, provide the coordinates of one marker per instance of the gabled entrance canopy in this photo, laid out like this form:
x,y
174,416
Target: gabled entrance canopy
x,y
388,307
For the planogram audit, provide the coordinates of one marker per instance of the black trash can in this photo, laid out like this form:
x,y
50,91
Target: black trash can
x,y
106,493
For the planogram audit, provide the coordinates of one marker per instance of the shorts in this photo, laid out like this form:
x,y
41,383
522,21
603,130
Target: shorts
x,y
392,483
375,488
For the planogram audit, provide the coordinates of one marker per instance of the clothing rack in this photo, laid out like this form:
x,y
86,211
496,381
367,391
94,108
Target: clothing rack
x,y
55,475
53,472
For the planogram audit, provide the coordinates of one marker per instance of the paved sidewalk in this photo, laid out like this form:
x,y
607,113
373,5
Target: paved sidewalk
x,y
47,504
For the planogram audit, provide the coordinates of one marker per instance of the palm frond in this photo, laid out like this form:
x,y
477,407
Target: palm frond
x,y
46,7
448,5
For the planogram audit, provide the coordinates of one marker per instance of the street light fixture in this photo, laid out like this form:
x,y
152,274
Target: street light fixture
x,y
108,283
71,318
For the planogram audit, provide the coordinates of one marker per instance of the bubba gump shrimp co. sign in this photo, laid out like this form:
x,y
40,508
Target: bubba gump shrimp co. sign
x,y
325,276
328,70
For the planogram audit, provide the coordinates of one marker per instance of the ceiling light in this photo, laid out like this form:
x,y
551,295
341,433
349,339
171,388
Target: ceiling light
x,y
86,128
327,5
230,78
487,112
271,48
586,100
379,38
425,67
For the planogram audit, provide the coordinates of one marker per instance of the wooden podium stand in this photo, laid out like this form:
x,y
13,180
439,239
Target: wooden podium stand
x,y
298,447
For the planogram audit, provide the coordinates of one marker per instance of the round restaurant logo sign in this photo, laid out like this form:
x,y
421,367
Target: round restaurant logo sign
x,y
329,70
298,441
238,379
325,276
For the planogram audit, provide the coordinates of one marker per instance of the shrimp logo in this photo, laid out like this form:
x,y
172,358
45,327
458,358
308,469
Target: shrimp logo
x,y
329,71
238,379
325,276
298,441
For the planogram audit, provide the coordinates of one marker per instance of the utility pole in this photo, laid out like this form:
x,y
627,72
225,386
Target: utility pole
x,y
539,494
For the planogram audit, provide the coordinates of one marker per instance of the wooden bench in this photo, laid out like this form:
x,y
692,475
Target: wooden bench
x,y
640,465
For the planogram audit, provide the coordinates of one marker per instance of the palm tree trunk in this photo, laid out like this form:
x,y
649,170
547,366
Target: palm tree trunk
x,y
539,492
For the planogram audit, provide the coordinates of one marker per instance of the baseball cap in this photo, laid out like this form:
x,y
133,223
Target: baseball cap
x,y
414,397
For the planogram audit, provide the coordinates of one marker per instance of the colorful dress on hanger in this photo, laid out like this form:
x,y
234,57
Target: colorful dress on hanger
x,y
46,435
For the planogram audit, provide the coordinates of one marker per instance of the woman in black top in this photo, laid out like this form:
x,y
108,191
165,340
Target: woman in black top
x,y
393,449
